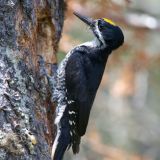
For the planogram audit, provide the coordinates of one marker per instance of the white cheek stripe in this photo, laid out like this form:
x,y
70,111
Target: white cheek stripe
x,y
100,35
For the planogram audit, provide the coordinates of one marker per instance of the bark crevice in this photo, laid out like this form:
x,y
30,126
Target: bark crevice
x,y
27,29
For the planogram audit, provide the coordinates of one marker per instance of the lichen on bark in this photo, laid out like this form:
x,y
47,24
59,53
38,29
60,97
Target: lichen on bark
x,y
20,132
27,28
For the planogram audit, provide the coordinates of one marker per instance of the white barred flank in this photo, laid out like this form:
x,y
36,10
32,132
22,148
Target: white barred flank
x,y
60,93
71,112
71,101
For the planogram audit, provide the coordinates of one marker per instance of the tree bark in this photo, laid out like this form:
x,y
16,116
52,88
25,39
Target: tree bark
x,y
27,28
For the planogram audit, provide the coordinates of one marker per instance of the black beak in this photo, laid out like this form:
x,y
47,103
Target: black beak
x,y
87,20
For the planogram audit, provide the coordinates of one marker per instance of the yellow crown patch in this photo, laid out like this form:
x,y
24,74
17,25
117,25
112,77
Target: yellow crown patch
x,y
109,21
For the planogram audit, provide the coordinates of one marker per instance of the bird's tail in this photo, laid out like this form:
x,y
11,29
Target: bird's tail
x,y
62,140
58,153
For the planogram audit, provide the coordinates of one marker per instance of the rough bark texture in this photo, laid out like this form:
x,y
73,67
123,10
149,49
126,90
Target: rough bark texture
x,y
27,28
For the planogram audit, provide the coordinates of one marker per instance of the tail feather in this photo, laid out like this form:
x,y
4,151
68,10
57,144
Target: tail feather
x,y
75,145
60,145
59,152
62,140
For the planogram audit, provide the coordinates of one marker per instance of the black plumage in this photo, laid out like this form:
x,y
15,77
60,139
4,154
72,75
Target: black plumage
x,y
84,72
84,67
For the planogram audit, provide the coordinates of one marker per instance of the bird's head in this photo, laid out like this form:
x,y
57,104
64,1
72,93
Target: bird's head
x,y
105,30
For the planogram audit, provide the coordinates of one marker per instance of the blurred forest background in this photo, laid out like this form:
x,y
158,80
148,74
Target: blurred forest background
x,y
125,119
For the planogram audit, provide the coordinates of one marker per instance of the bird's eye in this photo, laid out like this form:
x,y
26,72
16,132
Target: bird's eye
x,y
101,27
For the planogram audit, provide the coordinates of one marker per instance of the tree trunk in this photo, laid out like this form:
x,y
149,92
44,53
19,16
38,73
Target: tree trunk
x,y
27,28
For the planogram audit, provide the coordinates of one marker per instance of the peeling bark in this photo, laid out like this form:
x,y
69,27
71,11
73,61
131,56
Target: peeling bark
x,y
27,28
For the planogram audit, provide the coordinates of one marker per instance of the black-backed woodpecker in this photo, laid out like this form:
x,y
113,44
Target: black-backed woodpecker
x,y
77,80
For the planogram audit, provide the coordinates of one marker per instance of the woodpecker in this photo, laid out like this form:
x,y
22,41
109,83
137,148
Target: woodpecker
x,y
77,80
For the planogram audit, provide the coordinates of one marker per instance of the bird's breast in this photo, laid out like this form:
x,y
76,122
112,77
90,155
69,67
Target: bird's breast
x,y
94,76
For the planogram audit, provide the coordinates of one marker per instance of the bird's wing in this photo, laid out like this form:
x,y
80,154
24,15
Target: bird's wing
x,y
77,88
